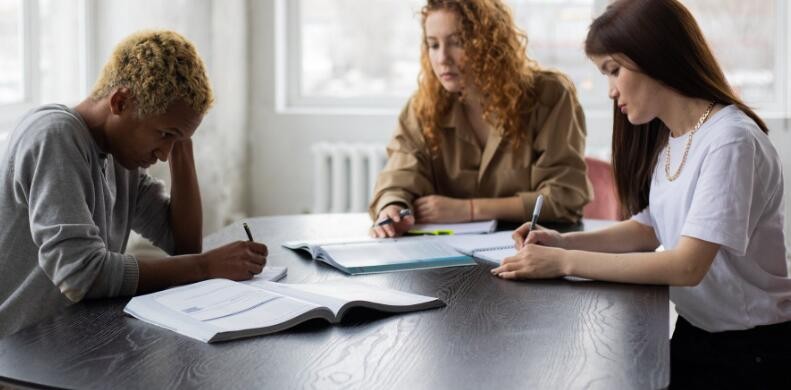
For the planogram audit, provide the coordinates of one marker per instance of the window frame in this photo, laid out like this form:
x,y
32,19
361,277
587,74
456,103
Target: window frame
x,y
288,98
31,73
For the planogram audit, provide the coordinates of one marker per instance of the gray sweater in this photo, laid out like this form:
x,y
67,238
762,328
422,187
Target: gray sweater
x,y
66,211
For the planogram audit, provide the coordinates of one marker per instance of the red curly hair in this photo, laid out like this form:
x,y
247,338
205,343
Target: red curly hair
x,y
497,61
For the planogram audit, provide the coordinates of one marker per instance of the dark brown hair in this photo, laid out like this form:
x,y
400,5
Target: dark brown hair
x,y
662,38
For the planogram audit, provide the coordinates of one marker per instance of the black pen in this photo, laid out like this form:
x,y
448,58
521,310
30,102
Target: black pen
x,y
403,213
247,230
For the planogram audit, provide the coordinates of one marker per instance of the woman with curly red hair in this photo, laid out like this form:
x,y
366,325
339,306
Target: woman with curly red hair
x,y
487,131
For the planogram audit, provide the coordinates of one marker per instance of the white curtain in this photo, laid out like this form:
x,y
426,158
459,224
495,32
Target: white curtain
x,y
219,29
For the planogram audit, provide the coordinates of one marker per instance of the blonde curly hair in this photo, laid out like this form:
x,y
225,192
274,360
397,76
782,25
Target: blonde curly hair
x,y
497,61
159,67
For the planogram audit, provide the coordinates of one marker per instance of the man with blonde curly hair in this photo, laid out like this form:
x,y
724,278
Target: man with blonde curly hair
x,y
74,185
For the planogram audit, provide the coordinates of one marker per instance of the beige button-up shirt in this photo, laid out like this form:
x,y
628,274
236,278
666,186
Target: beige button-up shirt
x,y
549,162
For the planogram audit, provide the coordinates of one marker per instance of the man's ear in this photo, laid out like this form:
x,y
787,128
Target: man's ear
x,y
120,101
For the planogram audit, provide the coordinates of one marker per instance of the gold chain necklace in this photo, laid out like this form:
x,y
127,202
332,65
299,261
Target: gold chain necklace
x,y
686,148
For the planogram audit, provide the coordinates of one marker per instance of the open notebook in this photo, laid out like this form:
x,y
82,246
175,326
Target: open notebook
x,y
221,309
364,255
492,248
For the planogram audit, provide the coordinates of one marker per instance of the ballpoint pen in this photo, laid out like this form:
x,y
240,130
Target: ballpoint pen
x,y
536,212
403,213
247,230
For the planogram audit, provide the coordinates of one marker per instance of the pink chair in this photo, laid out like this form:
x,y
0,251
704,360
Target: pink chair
x,y
605,199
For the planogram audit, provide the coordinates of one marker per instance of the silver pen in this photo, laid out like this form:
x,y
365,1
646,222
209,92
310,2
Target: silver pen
x,y
536,212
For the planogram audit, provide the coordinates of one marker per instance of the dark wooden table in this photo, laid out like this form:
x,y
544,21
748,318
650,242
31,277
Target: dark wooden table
x,y
493,334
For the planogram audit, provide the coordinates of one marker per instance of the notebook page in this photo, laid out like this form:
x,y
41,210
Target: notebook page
x,y
473,243
457,228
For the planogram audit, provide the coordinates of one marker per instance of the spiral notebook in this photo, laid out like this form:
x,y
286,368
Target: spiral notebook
x,y
492,248
489,247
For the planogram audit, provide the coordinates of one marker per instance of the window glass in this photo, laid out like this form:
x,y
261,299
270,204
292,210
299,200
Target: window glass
x,y
351,49
11,60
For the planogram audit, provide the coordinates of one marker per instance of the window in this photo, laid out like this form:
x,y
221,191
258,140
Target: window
x,y
60,52
41,49
11,59
746,39
348,53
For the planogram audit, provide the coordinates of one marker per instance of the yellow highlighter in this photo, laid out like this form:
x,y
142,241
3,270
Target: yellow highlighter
x,y
437,232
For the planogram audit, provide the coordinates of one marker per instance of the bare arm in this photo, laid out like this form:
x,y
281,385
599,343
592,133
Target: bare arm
x,y
186,214
239,260
684,265
622,237
442,209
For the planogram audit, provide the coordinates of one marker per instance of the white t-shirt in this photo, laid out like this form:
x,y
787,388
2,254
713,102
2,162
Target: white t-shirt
x,y
730,192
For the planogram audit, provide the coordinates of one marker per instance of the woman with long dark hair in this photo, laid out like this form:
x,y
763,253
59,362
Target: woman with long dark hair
x,y
695,169
487,131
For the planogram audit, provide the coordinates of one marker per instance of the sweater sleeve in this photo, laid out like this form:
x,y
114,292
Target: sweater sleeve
x,y
152,213
52,176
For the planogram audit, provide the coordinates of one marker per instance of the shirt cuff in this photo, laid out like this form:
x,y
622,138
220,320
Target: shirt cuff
x,y
131,276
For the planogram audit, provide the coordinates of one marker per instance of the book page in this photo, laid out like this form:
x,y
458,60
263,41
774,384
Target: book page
x,y
231,306
389,253
220,309
335,294
307,295
309,244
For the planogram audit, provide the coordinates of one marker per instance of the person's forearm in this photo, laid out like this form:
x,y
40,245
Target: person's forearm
x,y
622,237
186,214
161,273
506,209
642,268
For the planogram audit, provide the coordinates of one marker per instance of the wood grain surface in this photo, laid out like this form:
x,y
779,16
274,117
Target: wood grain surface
x,y
550,334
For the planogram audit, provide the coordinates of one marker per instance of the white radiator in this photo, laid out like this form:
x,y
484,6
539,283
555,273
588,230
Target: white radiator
x,y
344,175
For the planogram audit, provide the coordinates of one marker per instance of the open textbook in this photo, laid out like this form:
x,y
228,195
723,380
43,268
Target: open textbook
x,y
221,309
363,255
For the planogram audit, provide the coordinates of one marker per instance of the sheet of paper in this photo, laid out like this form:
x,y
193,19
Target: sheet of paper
x,y
271,273
467,244
458,228
212,301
